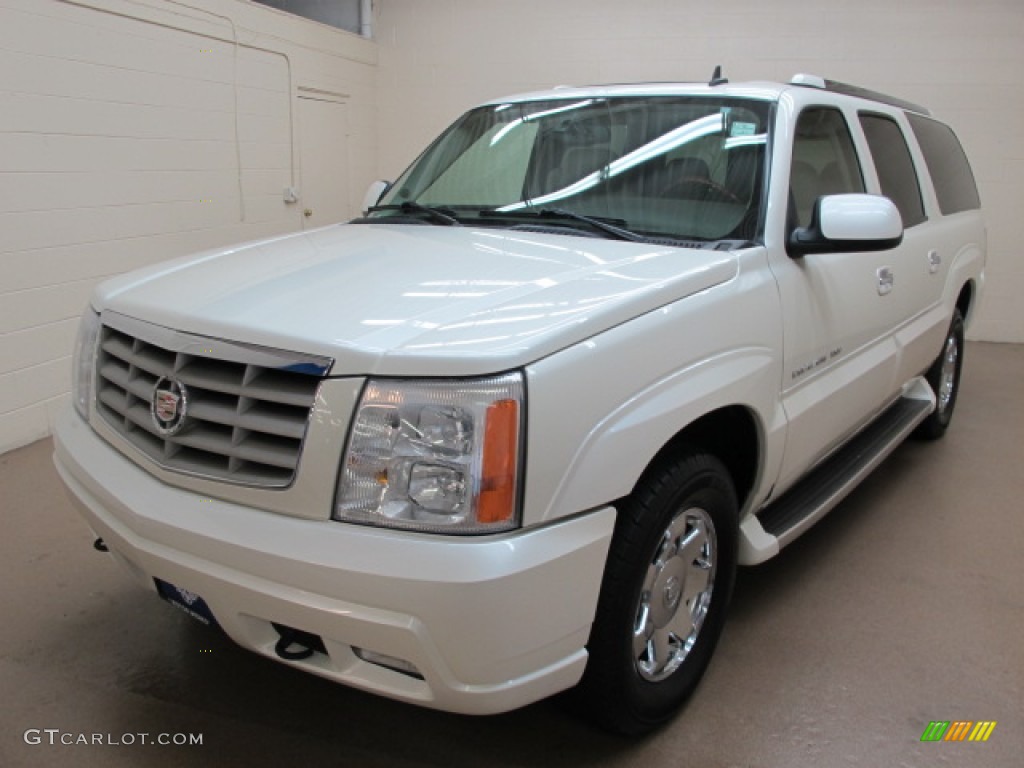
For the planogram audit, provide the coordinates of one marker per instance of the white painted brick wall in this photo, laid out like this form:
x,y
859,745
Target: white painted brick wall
x,y
118,149
114,125
964,60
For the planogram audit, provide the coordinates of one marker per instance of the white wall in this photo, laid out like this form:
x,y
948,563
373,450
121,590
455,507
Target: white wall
x,y
119,144
964,60
133,131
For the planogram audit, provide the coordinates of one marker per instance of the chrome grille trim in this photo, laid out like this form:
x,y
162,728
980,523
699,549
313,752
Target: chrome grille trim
x,y
248,406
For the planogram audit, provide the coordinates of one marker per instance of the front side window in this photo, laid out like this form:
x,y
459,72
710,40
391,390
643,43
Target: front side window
x,y
824,161
678,167
894,165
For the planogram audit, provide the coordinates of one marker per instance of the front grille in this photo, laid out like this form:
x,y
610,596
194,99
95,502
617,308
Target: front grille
x,y
244,420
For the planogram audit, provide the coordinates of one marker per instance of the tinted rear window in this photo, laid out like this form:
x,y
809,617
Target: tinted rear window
x,y
947,164
895,169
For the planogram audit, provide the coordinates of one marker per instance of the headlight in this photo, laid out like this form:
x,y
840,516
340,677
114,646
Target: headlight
x,y
435,455
84,361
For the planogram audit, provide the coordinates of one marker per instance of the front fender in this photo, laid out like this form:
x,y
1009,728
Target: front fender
x,y
600,411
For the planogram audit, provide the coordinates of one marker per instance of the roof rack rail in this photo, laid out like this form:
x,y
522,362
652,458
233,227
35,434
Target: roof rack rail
x,y
846,89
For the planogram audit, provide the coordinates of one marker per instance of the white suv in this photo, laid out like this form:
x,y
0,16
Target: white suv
x,y
514,430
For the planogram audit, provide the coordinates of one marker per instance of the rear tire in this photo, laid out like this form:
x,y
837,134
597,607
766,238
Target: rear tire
x,y
666,586
944,379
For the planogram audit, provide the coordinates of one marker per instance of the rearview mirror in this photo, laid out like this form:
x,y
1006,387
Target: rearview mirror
x,y
842,223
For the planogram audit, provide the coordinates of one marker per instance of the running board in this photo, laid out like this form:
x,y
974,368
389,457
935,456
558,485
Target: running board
x,y
829,483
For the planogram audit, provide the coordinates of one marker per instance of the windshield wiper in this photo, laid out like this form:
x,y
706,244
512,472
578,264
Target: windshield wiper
x,y
608,226
444,216
614,227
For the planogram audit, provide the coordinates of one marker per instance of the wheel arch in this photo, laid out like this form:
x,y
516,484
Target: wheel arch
x,y
732,435
965,300
965,281
616,432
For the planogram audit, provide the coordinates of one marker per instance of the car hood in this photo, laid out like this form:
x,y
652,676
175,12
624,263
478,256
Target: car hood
x,y
394,299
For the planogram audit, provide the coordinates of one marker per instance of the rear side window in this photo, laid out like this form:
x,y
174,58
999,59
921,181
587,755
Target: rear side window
x,y
895,168
947,165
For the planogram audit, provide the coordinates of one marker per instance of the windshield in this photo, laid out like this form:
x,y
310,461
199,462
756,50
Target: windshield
x,y
665,166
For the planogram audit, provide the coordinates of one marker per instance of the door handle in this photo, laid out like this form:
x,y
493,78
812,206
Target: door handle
x,y
885,280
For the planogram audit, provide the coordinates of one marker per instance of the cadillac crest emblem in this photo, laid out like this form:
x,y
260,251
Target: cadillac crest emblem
x,y
169,406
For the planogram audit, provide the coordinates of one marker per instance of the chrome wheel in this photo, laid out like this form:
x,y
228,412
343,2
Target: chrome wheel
x,y
675,595
947,373
944,379
670,569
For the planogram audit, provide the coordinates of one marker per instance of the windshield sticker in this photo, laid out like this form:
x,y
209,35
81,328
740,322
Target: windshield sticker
x,y
742,129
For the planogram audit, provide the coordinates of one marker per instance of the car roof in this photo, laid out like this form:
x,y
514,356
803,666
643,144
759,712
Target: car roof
x,y
766,91
761,90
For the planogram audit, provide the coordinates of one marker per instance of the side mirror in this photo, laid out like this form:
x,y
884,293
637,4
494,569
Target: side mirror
x,y
374,193
842,223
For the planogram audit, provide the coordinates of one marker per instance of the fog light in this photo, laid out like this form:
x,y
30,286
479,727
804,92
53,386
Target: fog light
x,y
390,662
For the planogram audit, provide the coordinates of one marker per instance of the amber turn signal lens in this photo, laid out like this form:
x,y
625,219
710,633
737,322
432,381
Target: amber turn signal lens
x,y
498,481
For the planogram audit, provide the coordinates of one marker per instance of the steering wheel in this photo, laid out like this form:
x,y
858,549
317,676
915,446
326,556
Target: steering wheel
x,y
703,181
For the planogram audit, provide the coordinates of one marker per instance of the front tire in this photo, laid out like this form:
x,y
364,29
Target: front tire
x,y
668,580
944,379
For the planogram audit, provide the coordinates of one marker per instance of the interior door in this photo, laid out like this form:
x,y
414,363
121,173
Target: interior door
x,y
323,157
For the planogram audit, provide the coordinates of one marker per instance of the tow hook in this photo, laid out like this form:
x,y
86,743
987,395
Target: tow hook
x,y
305,643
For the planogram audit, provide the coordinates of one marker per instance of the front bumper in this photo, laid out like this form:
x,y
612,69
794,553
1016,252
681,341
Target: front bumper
x,y
491,623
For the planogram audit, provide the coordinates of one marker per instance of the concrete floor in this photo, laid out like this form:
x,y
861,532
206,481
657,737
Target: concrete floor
x,y
905,605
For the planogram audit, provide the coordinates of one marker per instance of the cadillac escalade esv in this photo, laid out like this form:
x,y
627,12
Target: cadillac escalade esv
x,y
513,430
